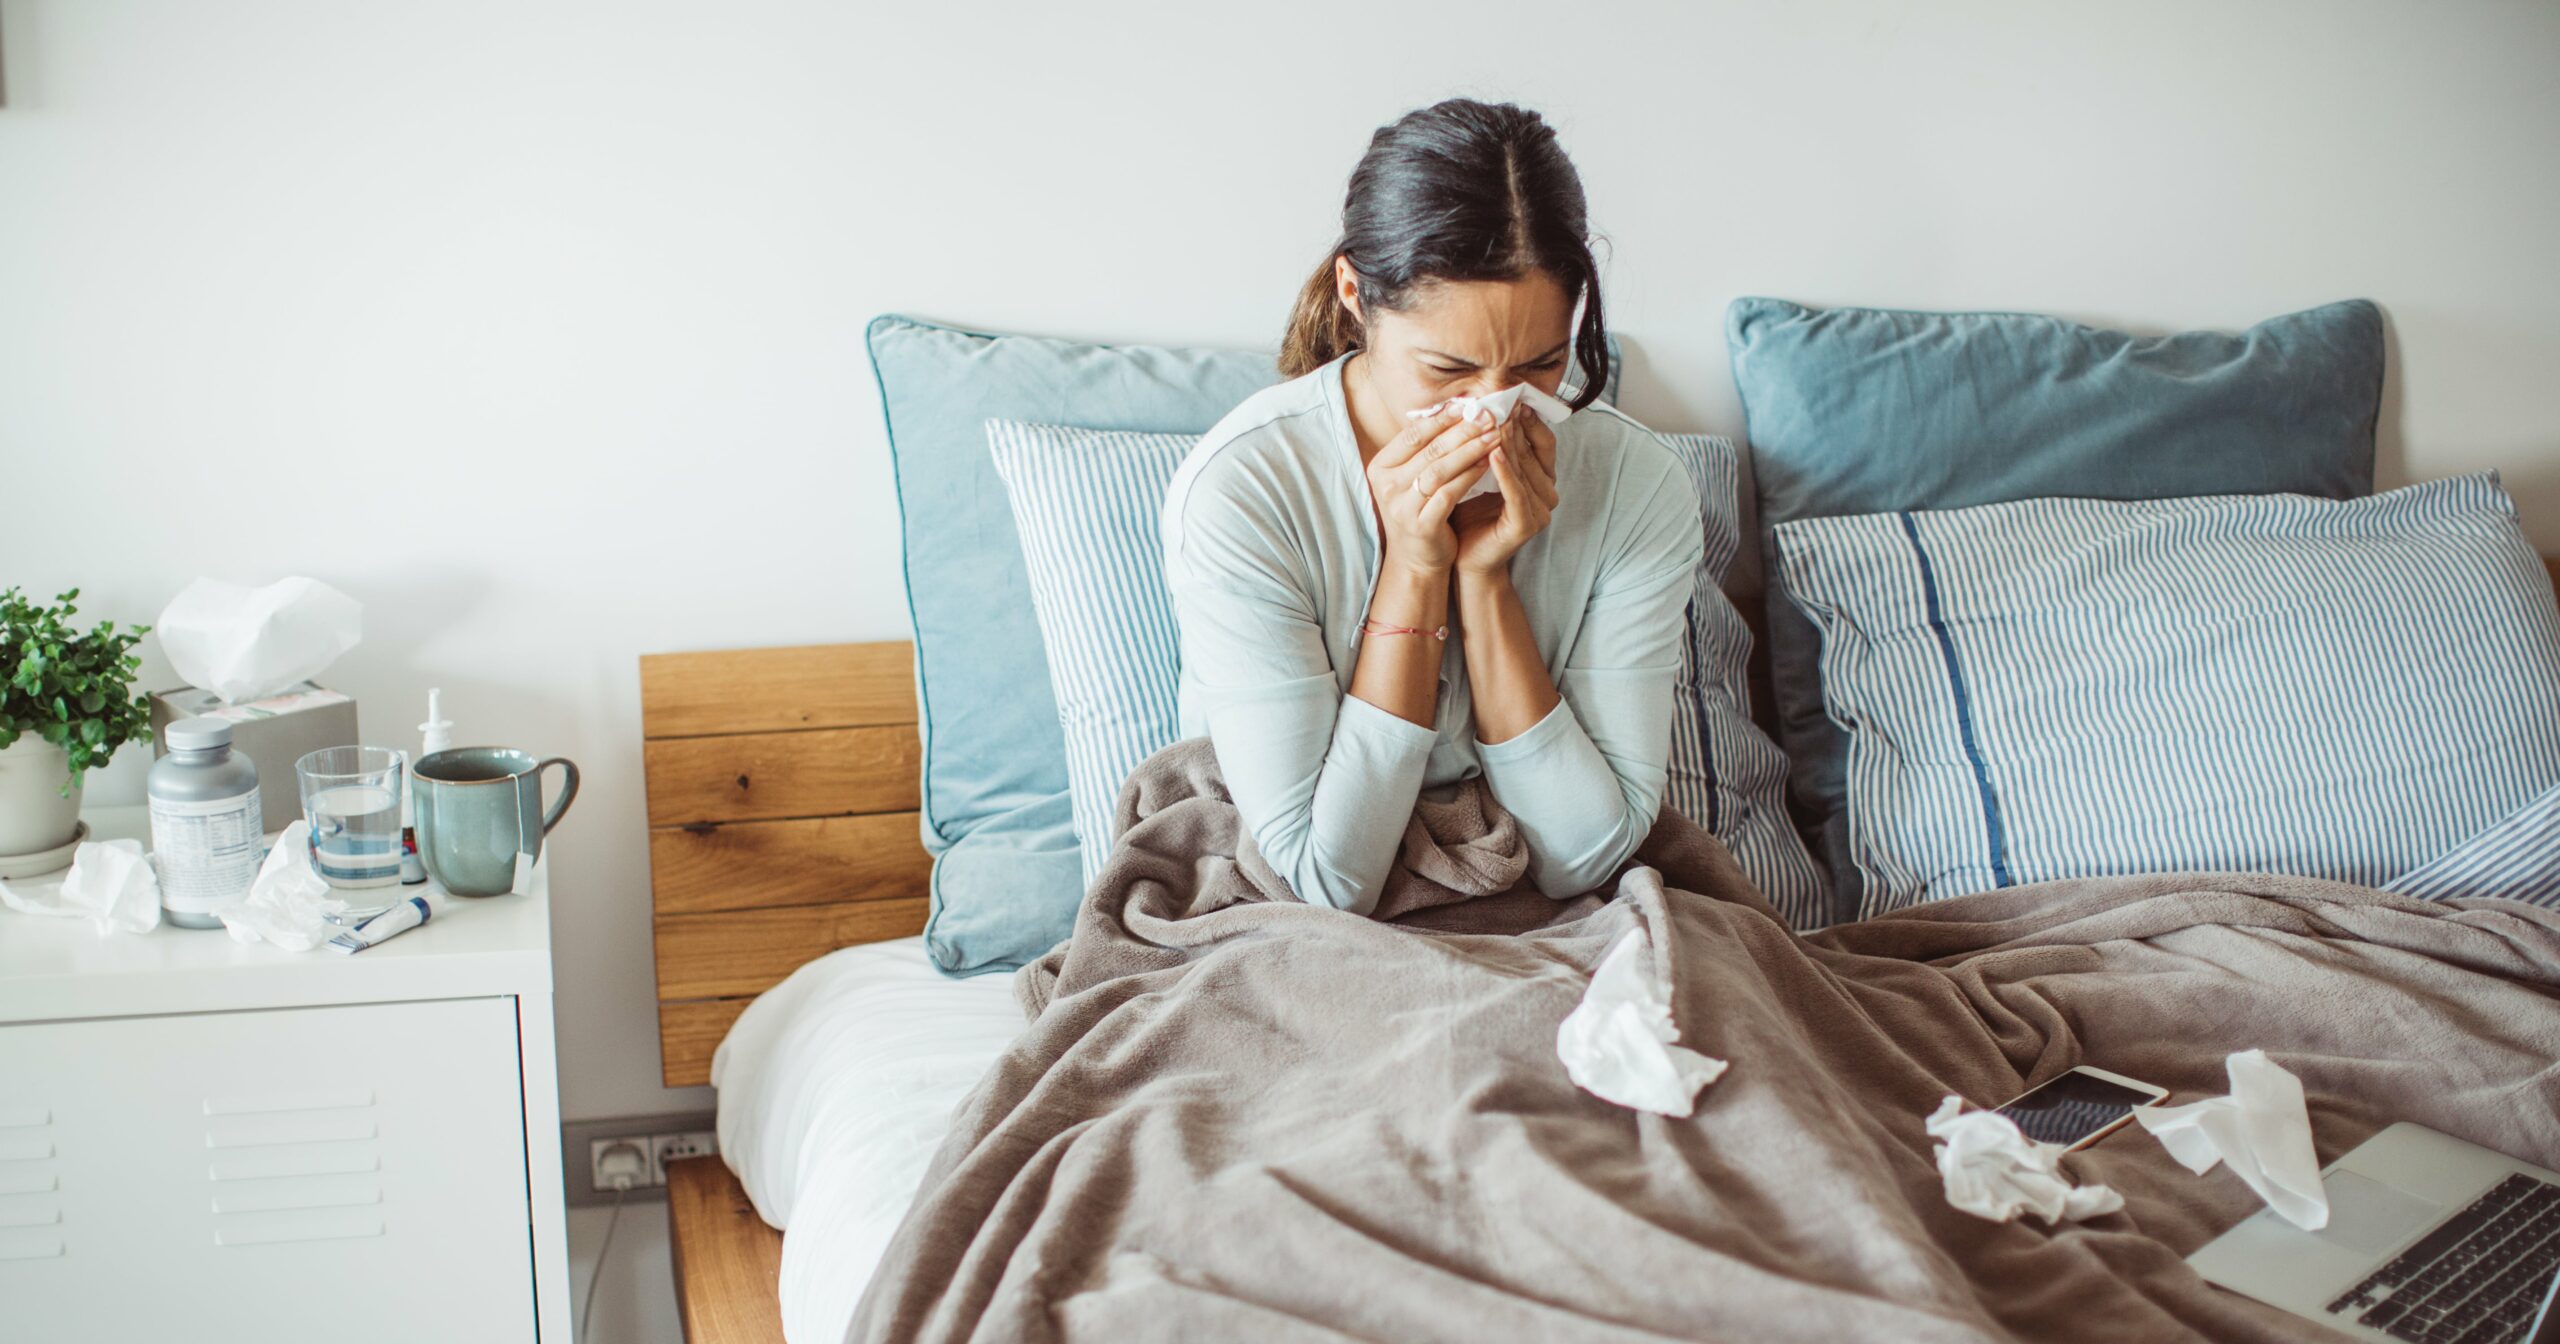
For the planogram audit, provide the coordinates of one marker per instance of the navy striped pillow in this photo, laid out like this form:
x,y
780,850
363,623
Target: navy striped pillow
x,y
1726,775
2069,688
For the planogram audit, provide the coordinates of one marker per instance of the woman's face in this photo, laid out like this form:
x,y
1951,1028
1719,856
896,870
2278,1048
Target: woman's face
x,y
1465,338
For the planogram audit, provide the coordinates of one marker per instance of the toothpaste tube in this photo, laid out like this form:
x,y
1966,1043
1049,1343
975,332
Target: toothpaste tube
x,y
391,923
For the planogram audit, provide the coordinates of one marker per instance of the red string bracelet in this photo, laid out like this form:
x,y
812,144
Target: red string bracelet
x,y
1370,627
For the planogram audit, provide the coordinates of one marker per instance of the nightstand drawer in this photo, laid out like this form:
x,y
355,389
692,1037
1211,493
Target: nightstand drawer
x,y
301,1174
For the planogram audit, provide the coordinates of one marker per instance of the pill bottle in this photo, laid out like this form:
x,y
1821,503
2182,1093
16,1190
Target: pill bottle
x,y
207,831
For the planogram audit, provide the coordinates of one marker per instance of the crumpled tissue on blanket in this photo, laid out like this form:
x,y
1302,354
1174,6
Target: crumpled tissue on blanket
x,y
1498,405
1992,1170
2263,1129
1619,1043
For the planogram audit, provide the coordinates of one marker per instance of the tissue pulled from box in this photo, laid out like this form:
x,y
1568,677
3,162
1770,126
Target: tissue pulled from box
x,y
111,883
2262,1130
1991,1169
1619,1043
288,904
242,643
1499,406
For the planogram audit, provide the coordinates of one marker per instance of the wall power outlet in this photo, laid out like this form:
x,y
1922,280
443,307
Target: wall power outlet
x,y
666,1148
654,1141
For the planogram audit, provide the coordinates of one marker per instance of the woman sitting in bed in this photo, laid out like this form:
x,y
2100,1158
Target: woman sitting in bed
x,y
1355,631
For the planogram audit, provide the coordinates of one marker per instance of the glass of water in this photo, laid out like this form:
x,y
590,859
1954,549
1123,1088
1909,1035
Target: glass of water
x,y
351,797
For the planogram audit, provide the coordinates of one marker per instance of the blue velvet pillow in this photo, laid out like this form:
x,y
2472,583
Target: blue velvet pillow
x,y
1005,871
996,810
1863,410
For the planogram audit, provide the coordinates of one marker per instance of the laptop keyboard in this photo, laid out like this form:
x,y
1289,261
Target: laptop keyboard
x,y
2476,1279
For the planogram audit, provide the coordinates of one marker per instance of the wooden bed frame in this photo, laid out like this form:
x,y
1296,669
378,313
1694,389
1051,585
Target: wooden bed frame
x,y
779,780
783,786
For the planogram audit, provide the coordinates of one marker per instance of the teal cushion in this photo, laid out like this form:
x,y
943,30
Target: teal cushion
x,y
1864,410
1005,872
996,812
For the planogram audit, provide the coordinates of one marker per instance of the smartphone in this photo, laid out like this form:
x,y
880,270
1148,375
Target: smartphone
x,y
2078,1108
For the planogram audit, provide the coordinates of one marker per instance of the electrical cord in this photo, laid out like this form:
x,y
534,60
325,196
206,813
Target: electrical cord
x,y
587,1309
621,1189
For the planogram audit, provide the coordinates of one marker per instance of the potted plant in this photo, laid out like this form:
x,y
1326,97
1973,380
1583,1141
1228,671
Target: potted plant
x,y
66,703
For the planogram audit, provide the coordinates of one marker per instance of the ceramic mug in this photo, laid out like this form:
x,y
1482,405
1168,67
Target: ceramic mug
x,y
480,808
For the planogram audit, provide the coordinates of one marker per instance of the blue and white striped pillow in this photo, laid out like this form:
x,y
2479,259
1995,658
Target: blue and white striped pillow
x,y
1726,775
1086,501
2065,688
2518,860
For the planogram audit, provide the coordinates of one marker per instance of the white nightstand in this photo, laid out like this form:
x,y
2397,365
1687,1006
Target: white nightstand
x,y
210,1140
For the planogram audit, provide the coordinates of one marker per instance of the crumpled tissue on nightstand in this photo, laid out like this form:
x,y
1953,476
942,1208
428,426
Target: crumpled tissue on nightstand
x,y
1499,405
110,882
288,904
1992,1170
1619,1043
2263,1129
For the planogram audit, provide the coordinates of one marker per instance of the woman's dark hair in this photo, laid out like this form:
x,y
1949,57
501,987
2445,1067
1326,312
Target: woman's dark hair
x,y
1459,190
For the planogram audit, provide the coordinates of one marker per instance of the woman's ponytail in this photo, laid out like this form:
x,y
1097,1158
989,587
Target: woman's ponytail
x,y
1320,328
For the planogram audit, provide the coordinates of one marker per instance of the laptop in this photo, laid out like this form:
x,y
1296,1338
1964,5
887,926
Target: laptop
x,y
2429,1239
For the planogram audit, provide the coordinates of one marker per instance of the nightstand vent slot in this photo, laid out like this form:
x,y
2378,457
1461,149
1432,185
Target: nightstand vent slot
x,y
274,1127
298,1192
23,1117
331,1099
268,1229
258,1164
30,1244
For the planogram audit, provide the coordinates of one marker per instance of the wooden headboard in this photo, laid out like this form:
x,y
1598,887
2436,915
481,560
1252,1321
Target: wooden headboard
x,y
782,789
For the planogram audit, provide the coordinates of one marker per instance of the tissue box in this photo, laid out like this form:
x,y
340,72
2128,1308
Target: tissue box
x,y
273,733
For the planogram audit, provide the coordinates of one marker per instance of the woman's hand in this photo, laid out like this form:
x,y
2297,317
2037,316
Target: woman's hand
x,y
1416,480
1492,529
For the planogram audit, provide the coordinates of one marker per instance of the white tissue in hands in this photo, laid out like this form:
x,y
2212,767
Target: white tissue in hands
x,y
244,643
1619,1043
1992,1170
110,883
1499,406
288,904
2263,1130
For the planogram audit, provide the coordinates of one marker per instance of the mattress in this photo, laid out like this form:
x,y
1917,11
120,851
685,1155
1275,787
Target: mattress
x,y
836,1086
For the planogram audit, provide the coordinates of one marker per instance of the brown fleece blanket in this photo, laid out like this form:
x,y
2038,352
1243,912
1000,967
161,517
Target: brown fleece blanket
x,y
1239,1117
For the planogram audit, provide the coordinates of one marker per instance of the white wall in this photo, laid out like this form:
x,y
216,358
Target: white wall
x,y
538,326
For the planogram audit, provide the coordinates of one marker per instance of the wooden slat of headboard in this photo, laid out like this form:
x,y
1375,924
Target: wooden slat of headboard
x,y
749,951
762,776
775,689
810,861
782,792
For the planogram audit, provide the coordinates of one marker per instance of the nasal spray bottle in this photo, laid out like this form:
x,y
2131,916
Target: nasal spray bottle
x,y
437,734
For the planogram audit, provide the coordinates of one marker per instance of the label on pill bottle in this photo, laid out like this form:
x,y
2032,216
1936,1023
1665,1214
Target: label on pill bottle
x,y
208,852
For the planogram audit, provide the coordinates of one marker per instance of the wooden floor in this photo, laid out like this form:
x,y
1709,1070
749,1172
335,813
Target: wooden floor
x,y
728,1263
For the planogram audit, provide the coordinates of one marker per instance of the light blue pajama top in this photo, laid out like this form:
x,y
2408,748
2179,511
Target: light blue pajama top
x,y
1271,552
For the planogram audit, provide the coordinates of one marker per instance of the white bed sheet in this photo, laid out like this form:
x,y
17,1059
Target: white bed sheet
x,y
836,1086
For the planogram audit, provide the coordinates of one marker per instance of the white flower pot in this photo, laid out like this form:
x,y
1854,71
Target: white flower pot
x,y
33,817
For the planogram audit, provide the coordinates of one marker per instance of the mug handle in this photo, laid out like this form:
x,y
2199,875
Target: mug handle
x,y
568,790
